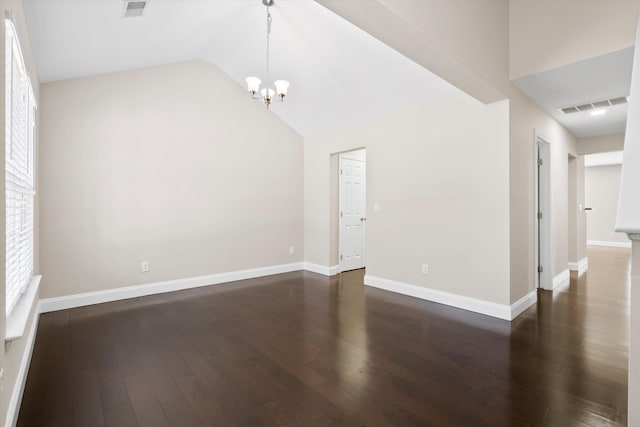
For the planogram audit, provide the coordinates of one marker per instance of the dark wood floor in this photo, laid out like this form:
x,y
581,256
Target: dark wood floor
x,y
300,349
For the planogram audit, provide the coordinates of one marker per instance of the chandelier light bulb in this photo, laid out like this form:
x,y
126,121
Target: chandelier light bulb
x,y
281,88
253,84
267,94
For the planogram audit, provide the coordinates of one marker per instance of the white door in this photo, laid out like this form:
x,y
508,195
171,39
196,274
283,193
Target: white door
x,y
352,213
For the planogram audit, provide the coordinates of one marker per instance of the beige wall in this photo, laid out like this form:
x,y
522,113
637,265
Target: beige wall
x,y
550,34
173,165
581,217
14,351
577,217
600,144
465,42
602,184
474,33
442,190
475,36
524,117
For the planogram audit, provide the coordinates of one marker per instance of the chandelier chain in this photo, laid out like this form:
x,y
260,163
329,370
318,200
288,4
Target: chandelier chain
x,y
268,34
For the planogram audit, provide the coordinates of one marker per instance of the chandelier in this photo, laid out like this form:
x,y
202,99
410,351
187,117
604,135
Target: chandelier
x,y
253,83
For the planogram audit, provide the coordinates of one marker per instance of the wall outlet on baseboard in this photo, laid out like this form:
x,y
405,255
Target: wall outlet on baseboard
x,y
425,269
144,266
291,250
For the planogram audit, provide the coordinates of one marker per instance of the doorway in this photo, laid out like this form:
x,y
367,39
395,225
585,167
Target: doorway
x,y
572,212
352,209
542,212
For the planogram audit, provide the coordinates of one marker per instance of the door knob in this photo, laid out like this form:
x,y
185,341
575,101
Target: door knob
x,y
363,219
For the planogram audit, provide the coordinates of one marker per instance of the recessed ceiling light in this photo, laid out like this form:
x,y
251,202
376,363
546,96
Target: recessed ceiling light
x,y
598,112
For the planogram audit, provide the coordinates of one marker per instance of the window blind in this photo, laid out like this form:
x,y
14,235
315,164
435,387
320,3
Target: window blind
x,y
19,173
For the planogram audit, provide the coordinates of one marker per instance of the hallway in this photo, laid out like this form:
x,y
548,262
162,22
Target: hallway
x,y
304,349
577,340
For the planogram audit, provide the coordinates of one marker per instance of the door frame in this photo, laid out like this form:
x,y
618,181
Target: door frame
x,y
341,156
542,203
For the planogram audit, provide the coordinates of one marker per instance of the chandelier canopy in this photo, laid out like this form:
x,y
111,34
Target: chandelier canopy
x,y
253,83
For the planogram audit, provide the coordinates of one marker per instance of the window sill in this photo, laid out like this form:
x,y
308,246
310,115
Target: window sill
x,y
19,317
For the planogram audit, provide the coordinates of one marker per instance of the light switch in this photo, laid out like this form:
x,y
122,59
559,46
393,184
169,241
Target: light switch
x,y
376,207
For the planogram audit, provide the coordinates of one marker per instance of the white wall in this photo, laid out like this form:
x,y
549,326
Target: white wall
x,y
440,175
602,184
173,165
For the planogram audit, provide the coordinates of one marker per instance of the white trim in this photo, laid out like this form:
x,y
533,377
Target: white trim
x,y
609,244
580,266
501,311
13,409
322,269
90,298
18,318
561,279
542,255
523,303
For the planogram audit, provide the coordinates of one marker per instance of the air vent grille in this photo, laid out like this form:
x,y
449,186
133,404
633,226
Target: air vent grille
x,y
134,8
595,104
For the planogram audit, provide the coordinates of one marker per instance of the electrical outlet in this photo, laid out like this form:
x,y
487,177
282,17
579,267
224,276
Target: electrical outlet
x,y
291,250
144,266
425,269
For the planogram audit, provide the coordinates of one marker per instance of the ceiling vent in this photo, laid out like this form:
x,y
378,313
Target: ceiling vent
x,y
594,105
134,8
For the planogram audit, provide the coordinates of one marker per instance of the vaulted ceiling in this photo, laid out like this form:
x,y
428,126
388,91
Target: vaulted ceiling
x,y
338,73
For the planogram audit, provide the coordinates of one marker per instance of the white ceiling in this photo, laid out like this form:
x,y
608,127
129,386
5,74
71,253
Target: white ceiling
x,y
338,73
603,77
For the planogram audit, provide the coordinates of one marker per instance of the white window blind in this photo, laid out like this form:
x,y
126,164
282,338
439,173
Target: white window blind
x,y
19,162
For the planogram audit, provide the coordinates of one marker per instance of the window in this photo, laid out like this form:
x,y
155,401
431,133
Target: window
x,y
19,174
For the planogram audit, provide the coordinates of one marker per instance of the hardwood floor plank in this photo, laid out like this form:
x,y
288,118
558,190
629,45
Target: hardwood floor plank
x,y
303,349
120,416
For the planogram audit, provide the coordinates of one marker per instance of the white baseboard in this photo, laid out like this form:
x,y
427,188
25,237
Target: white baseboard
x,y
13,409
561,279
523,303
108,295
609,244
580,266
501,311
322,269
